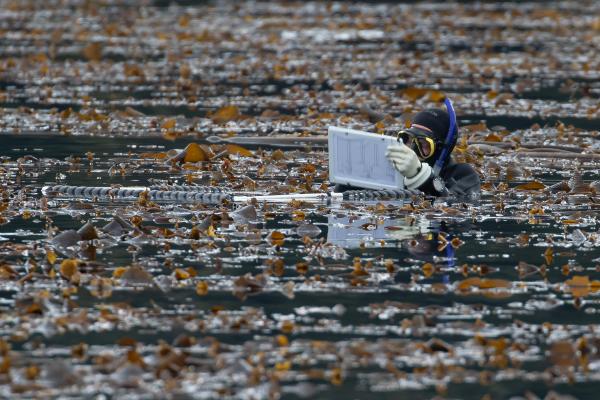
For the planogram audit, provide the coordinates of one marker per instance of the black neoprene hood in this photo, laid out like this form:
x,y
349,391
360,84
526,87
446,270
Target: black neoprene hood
x,y
438,121
435,119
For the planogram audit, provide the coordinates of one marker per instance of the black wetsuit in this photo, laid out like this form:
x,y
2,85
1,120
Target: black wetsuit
x,y
461,181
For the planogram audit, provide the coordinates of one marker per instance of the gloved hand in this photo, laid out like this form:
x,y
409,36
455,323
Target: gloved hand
x,y
404,229
404,159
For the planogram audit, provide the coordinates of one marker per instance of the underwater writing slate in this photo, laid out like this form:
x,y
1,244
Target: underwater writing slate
x,y
358,159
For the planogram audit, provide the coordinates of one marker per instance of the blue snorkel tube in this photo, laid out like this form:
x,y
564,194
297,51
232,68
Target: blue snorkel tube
x,y
438,183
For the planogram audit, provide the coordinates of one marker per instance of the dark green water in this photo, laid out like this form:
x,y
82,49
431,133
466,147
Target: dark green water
x,y
449,299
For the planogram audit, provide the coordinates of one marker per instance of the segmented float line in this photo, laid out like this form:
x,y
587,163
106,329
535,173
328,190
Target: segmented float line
x,y
189,188
386,194
202,195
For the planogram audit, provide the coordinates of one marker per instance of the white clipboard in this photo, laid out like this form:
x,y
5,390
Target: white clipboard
x,y
357,158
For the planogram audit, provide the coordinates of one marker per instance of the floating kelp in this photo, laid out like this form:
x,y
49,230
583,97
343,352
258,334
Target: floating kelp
x,y
119,277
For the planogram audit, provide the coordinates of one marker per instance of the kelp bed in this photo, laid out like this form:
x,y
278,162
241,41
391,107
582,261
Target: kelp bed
x,y
108,297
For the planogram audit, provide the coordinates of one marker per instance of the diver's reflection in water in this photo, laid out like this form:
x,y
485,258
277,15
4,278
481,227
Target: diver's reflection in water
x,y
352,231
425,240
433,246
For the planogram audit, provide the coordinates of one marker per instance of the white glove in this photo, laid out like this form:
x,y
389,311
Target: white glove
x,y
405,160
404,230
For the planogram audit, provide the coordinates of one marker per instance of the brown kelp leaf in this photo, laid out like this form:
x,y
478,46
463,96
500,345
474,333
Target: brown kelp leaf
x,y
32,372
134,71
302,268
50,256
154,156
79,351
171,135
428,269
526,269
493,138
569,221
298,215
225,114
169,124
288,290
248,284
358,268
101,287
579,286
479,283
136,275
336,377
277,238
480,127
126,341
7,272
494,283
211,232
549,255
132,112
287,326
437,345
92,115
436,96
202,288
192,153
239,150
249,183
562,354
278,267
88,232
118,272
282,340
136,220
414,93
456,242
535,185
181,274
277,155
194,233
93,51
68,268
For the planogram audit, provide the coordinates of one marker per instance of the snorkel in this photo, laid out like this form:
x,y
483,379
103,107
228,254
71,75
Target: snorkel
x,y
438,183
450,136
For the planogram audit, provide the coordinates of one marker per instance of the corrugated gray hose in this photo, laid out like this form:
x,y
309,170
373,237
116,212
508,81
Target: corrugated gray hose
x,y
386,194
183,194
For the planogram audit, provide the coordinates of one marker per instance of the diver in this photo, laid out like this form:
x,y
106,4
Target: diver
x,y
422,156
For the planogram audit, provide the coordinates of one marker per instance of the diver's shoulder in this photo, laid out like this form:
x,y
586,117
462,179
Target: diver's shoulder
x,y
460,168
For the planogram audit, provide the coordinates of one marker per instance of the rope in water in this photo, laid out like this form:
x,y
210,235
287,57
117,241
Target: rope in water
x,y
387,194
188,188
210,195
199,194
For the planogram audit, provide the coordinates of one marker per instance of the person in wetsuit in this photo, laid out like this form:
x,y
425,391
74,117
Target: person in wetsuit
x,y
422,156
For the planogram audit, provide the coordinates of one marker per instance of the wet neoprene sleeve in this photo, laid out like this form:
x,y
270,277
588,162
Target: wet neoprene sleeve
x,y
461,180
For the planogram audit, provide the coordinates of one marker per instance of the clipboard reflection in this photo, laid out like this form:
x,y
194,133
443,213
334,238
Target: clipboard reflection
x,y
351,231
